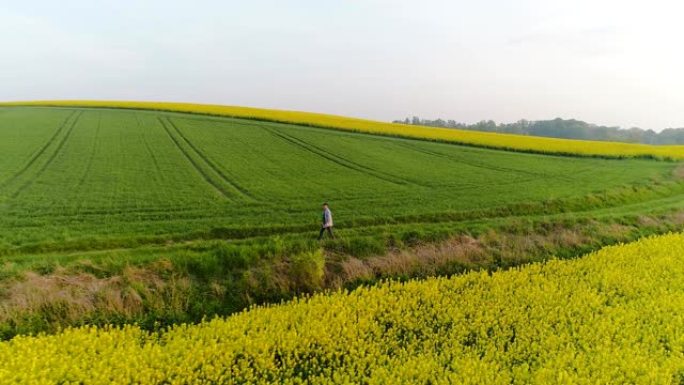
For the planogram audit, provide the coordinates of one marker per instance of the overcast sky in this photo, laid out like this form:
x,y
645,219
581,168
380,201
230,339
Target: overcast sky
x,y
607,62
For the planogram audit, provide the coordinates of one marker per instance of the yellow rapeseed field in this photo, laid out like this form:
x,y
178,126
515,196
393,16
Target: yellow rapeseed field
x,y
613,317
494,140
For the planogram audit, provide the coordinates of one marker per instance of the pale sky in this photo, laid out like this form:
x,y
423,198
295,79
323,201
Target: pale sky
x,y
606,62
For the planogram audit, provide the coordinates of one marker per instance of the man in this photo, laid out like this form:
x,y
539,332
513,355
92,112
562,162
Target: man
x,y
327,222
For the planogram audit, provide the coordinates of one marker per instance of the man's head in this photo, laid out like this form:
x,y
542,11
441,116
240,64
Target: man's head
x,y
325,205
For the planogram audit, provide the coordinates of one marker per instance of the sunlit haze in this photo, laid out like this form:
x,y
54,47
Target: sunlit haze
x,y
606,62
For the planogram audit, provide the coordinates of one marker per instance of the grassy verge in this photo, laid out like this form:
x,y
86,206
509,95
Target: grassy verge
x,y
158,286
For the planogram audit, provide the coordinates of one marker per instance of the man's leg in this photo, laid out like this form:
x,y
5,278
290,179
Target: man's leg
x,y
331,232
320,235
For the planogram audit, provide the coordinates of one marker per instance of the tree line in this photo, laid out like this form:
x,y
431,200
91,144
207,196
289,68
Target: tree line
x,y
562,128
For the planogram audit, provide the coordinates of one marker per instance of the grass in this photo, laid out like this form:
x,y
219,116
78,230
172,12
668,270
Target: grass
x,y
97,175
122,215
187,282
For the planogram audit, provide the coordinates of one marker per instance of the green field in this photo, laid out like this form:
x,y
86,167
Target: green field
x,y
69,174
218,196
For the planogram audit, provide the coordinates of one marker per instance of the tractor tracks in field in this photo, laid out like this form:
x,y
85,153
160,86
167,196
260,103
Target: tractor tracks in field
x,y
317,150
149,150
93,151
209,171
36,155
155,161
51,159
481,164
58,140
122,211
344,162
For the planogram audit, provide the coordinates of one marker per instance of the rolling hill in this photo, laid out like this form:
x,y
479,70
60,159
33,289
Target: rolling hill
x,y
466,137
121,214
87,175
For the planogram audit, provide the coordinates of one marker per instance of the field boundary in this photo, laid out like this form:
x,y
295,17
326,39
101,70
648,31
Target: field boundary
x,y
487,320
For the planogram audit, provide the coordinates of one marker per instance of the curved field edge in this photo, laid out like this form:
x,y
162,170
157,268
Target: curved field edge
x,y
480,139
612,316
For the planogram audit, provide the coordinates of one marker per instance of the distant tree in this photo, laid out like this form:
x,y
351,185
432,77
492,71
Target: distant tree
x,y
562,128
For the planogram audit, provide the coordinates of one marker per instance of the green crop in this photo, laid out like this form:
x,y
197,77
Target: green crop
x,y
81,179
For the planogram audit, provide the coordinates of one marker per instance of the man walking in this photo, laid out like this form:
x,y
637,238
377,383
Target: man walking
x,y
327,222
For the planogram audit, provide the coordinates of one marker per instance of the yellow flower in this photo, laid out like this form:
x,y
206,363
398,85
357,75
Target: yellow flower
x,y
611,317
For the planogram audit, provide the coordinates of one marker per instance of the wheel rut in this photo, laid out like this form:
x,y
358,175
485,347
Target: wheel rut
x,y
346,163
227,179
36,155
202,165
58,149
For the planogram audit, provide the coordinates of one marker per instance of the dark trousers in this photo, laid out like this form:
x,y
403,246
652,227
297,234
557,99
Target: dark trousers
x,y
320,235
